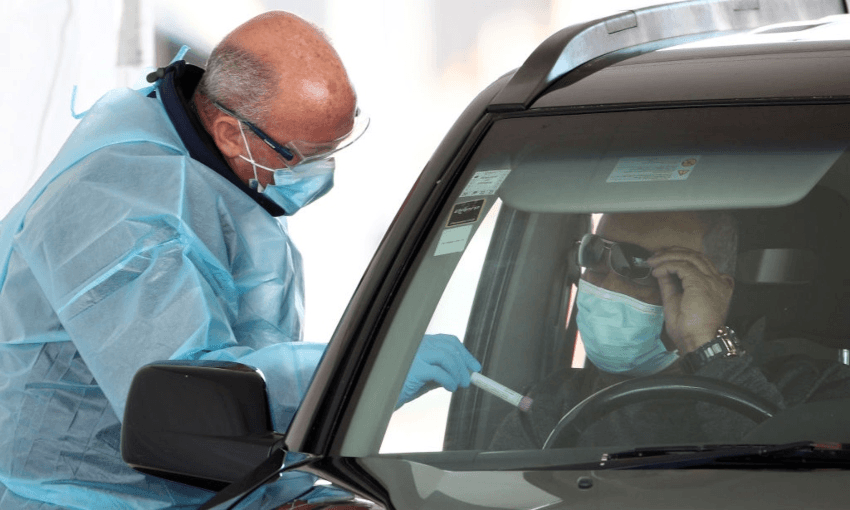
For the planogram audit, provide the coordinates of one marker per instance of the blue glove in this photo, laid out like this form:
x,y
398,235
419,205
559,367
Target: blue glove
x,y
440,361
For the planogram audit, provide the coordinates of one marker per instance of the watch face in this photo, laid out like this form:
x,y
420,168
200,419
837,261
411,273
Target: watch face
x,y
714,348
729,340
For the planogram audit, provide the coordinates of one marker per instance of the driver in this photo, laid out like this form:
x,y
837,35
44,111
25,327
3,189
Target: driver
x,y
653,298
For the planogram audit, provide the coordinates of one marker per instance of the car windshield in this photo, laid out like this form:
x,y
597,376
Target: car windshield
x,y
546,238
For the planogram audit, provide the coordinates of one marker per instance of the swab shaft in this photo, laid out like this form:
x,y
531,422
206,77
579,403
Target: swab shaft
x,y
492,387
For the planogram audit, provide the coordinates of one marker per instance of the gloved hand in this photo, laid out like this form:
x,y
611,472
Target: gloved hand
x,y
440,361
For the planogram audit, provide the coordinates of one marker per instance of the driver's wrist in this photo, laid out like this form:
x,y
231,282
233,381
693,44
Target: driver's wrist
x,y
723,345
691,343
699,335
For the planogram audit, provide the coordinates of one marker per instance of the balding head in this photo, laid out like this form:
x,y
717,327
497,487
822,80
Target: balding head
x,y
281,73
312,85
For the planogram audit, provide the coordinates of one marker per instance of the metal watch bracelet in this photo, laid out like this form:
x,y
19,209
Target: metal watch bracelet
x,y
725,344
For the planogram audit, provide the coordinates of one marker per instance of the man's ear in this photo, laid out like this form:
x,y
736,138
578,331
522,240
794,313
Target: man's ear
x,y
729,279
227,136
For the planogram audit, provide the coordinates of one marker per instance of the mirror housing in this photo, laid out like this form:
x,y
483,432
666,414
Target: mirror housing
x,y
203,423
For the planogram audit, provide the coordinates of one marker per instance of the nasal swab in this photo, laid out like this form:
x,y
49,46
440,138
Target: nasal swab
x,y
503,392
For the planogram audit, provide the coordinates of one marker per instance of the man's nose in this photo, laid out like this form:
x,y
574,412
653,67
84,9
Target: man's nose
x,y
616,283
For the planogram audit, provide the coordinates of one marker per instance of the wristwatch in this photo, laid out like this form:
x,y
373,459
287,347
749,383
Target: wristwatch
x,y
724,345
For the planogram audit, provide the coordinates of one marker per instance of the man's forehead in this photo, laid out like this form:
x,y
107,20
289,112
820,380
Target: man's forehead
x,y
314,121
653,231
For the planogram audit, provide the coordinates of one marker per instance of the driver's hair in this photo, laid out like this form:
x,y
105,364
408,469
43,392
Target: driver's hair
x,y
720,241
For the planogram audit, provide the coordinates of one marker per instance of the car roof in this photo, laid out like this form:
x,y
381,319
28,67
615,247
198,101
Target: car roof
x,y
582,50
808,59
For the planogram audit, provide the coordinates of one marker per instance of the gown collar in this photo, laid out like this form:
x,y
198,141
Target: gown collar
x,y
179,81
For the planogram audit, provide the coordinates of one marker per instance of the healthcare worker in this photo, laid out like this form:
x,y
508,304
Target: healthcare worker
x,y
158,232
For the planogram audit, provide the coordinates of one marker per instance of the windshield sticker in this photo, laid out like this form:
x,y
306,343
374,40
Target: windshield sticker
x,y
486,182
453,240
467,212
651,169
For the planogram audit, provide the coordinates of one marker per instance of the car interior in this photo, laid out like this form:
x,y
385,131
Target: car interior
x,y
783,173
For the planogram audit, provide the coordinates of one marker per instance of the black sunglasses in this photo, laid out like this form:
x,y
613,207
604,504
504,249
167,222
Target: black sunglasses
x,y
626,259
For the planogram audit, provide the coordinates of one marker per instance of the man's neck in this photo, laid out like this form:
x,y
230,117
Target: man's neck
x,y
177,91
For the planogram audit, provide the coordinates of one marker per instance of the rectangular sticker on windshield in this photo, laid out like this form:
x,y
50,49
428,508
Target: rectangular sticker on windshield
x,y
486,182
453,240
466,212
653,169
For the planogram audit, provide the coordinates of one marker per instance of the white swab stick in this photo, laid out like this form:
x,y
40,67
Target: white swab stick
x,y
503,392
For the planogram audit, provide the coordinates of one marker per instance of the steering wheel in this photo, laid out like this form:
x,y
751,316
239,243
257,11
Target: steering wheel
x,y
603,402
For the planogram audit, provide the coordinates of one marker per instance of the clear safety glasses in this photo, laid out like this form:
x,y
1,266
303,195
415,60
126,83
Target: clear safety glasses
x,y
626,259
298,152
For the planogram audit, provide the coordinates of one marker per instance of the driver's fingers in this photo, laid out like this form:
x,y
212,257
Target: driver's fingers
x,y
677,254
668,286
693,282
692,279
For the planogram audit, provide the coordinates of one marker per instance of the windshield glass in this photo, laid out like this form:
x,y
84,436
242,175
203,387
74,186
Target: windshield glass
x,y
639,278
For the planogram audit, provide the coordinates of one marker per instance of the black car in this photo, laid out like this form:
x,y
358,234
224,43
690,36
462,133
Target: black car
x,y
738,106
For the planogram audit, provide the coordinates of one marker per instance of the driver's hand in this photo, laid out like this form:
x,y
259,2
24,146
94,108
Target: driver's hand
x,y
694,294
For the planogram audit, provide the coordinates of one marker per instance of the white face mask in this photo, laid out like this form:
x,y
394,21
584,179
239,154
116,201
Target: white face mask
x,y
621,334
296,187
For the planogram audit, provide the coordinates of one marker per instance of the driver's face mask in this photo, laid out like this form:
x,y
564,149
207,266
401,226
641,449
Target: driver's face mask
x,y
621,334
296,187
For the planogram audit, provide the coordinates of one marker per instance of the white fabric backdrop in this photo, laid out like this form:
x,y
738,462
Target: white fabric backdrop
x,y
409,81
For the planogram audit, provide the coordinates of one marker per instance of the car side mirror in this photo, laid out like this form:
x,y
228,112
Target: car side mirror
x,y
203,423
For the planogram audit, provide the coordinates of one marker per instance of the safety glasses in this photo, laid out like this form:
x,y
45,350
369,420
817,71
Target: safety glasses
x,y
626,259
298,152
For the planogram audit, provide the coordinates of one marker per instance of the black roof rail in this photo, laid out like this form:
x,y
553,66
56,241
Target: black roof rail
x,y
578,44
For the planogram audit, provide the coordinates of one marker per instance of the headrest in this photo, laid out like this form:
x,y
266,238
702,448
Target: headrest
x,y
794,268
777,265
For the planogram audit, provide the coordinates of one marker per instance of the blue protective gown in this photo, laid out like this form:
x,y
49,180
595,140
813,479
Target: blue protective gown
x,y
128,251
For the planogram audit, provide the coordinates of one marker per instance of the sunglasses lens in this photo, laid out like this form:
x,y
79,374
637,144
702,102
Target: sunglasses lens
x,y
627,260
591,253
630,261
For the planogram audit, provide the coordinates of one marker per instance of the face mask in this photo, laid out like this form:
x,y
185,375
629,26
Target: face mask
x,y
621,335
294,188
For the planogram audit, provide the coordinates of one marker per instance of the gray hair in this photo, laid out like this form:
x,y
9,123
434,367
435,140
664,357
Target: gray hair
x,y
720,242
240,81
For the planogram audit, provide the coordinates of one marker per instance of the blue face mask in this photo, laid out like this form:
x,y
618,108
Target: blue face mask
x,y
296,187
621,335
